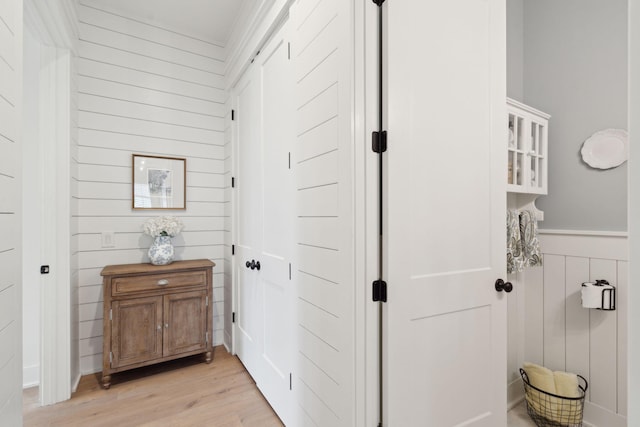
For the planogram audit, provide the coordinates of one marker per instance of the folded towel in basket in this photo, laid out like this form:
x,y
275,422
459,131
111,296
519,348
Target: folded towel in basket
x,y
556,409
540,377
566,384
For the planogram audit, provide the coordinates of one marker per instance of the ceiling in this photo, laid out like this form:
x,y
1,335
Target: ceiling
x,y
211,20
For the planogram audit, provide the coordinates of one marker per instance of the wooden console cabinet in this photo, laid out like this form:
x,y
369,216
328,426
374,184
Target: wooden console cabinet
x,y
155,313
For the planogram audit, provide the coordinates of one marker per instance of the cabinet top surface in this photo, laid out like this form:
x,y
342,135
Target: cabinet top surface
x,y
110,270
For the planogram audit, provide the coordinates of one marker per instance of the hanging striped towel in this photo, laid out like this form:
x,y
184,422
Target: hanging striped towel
x,y
531,256
515,261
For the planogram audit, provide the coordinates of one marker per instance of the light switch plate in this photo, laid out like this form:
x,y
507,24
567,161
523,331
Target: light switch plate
x,y
108,239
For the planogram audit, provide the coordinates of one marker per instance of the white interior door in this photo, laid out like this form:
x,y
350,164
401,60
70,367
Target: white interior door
x,y
265,226
278,219
249,221
445,348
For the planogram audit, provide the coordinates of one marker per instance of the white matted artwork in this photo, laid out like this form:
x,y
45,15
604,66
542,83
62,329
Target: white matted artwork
x,y
158,182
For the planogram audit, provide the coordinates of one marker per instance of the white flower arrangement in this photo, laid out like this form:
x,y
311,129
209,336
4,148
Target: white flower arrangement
x,y
163,226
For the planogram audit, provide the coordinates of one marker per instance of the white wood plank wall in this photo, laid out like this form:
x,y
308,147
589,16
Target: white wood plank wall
x,y
321,51
10,200
144,89
548,325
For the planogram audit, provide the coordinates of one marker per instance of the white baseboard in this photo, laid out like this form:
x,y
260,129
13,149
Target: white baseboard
x,y
30,376
515,393
75,382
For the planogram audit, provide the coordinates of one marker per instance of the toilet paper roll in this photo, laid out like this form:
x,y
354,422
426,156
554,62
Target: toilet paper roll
x,y
597,295
591,295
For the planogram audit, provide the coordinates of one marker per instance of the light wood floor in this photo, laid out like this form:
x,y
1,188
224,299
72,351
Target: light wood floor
x,y
184,392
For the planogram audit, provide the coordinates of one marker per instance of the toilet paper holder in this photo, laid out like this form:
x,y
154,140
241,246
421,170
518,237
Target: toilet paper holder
x,y
599,294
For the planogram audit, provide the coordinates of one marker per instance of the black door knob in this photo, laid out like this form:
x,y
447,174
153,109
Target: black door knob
x,y
501,285
253,264
247,264
258,265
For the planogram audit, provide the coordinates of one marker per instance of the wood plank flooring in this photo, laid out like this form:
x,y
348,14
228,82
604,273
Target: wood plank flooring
x,y
185,392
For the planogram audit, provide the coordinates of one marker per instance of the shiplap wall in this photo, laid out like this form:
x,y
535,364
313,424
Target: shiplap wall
x,y
323,160
11,26
548,325
148,90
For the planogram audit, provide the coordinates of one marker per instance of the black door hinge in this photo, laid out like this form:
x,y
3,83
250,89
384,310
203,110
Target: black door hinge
x,y
380,290
233,317
378,2
379,141
233,249
233,182
233,114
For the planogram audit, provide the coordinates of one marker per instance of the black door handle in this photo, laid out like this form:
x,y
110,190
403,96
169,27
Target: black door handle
x,y
247,264
258,265
501,285
253,264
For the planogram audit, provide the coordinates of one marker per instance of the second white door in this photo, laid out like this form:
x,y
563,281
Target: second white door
x,y
265,322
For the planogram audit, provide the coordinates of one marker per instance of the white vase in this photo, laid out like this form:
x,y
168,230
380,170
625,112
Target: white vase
x,y
161,251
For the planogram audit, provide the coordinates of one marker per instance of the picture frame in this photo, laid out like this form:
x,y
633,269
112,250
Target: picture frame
x,y
158,182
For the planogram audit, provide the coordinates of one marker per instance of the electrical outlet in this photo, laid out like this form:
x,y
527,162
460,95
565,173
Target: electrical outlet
x,y
108,239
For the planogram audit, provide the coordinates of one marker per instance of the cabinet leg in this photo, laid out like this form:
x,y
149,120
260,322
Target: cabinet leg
x,y
106,381
207,357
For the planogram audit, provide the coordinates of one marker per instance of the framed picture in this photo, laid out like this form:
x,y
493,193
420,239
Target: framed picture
x,y
159,182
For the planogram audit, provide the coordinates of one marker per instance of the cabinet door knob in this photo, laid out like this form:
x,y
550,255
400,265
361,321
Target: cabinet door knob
x,y
163,282
159,327
166,326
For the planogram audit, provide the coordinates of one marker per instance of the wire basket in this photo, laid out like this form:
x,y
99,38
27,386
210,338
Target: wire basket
x,y
550,410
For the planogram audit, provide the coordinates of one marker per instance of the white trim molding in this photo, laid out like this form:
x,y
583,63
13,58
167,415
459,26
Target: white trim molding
x,y
56,28
591,244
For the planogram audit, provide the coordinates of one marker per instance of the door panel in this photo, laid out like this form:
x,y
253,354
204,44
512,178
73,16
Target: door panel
x,y
445,349
278,219
136,330
249,221
265,319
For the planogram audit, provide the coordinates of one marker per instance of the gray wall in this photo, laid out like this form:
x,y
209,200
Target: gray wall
x,y
515,51
575,68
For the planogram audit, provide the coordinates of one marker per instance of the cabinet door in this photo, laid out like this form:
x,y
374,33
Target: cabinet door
x,y
538,156
185,322
136,330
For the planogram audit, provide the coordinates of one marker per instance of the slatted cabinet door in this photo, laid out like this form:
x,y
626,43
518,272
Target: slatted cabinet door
x,y
136,331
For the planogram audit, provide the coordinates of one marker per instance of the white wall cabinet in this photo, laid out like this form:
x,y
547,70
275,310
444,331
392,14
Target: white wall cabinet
x,y
527,149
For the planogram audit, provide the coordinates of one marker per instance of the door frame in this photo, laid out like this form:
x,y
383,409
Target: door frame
x,y
50,24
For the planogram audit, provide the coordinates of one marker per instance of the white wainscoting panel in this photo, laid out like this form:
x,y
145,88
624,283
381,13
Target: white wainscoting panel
x,y
557,332
144,89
